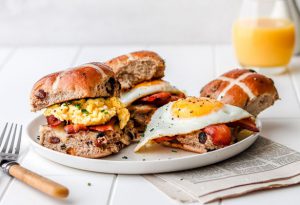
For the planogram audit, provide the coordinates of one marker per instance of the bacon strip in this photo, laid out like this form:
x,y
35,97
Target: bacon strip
x,y
161,98
53,121
72,129
102,128
247,123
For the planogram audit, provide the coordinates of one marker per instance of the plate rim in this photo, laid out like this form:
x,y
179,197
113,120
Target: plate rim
x,y
35,144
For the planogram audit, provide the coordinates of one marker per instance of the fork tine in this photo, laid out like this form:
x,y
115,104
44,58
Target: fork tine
x,y
3,132
17,150
12,142
7,139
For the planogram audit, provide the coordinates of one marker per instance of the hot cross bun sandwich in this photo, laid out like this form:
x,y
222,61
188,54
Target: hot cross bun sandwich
x,y
197,125
142,89
84,114
244,88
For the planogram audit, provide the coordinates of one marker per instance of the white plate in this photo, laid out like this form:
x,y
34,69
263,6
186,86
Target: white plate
x,y
157,160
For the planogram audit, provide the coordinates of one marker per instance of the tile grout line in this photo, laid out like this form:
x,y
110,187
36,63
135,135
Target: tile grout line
x,y
295,87
214,60
76,56
8,56
12,178
112,189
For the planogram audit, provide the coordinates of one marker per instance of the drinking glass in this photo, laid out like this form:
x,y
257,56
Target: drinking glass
x,y
264,36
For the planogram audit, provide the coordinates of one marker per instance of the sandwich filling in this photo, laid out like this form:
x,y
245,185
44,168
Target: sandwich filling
x,y
98,114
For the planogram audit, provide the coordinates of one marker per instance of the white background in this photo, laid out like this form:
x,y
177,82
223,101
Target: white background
x,y
48,22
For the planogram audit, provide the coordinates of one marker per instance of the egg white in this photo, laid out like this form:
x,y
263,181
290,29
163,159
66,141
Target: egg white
x,y
141,91
163,123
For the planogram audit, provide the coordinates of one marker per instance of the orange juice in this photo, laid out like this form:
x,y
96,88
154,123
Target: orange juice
x,y
264,42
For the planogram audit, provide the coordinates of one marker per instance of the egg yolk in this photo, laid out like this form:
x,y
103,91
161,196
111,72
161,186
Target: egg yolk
x,y
195,107
90,111
149,83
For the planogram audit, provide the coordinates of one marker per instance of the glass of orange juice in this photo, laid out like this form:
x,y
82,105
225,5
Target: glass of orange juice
x,y
264,36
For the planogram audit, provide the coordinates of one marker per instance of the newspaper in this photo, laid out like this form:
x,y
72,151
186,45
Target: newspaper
x,y
266,164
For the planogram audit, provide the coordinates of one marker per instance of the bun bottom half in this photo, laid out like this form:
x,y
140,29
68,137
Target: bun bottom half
x,y
86,144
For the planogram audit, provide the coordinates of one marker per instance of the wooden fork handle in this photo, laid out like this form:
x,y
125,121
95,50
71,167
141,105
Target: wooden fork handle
x,y
38,182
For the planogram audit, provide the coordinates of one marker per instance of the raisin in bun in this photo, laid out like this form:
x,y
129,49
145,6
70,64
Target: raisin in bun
x,y
85,81
244,88
136,67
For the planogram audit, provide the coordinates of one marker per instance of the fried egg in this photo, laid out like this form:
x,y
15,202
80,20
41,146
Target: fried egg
x,y
187,115
90,112
147,88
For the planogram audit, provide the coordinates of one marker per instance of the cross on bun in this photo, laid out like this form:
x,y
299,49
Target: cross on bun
x,y
243,88
85,81
136,67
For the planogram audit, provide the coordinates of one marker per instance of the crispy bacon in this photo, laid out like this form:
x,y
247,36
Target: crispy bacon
x,y
247,123
53,121
221,134
72,129
161,98
157,98
177,97
102,128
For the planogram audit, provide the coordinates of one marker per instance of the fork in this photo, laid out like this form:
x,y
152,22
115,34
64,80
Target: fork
x,y
9,154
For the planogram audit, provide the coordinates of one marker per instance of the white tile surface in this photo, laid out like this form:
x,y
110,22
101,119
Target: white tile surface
x,y
76,180
295,74
284,131
288,106
137,190
80,191
5,53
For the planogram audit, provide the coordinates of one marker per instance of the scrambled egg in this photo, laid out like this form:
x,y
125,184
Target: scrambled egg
x,y
90,112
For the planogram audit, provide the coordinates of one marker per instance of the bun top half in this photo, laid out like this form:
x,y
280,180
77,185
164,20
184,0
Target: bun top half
x,y
136,67
244,88
86,81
